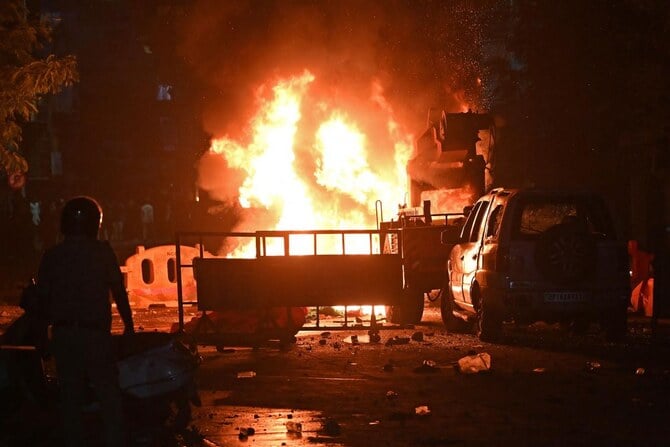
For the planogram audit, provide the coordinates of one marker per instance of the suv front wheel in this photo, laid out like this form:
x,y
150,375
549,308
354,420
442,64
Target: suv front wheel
x,y
489,318
453,323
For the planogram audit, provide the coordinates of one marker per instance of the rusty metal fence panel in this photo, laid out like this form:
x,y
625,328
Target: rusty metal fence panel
x,y
330,271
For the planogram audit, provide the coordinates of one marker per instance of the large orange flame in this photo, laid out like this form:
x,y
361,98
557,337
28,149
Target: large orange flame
x,y
341,189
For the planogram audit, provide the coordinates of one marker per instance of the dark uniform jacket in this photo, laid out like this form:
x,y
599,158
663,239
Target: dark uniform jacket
x,y
76,277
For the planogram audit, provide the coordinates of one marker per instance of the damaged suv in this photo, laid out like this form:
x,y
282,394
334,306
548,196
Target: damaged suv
x,y
535,255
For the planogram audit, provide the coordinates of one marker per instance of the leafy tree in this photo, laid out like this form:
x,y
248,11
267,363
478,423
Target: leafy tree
x,y
25,77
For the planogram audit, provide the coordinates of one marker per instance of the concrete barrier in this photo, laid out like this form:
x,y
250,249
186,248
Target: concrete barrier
x,y
151,275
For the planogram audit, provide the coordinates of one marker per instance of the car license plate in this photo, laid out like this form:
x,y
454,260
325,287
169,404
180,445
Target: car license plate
x,y
564,297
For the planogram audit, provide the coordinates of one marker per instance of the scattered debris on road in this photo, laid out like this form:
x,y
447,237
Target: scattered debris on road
x,y
397,340
422,410
427,366
592,366
473,364
293,427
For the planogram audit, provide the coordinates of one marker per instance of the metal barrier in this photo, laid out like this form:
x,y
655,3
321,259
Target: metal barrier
x,y
308,268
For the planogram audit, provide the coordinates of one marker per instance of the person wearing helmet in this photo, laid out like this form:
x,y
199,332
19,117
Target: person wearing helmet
x,y
75,278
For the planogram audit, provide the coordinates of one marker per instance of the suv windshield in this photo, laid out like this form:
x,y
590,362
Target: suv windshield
x,y
538,214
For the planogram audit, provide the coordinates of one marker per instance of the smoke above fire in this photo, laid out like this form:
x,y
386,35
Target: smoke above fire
x,y
423,53
322,99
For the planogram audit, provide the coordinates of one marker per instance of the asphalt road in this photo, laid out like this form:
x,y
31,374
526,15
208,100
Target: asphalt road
x,y
543,387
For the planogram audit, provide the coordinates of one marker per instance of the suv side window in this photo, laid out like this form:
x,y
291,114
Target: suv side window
x,y
493,225
469,222
477,228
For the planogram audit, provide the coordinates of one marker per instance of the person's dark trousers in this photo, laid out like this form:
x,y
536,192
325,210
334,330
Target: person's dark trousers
x,y
84,354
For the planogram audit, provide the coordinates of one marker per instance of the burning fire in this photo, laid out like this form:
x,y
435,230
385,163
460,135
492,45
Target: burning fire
x,y
455,199
309,165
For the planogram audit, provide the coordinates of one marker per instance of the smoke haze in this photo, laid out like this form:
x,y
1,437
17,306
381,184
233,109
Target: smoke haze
x,y
415,49
368,58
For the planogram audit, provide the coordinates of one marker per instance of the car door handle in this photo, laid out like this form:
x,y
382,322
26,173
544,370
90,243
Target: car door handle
x,y
474,256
